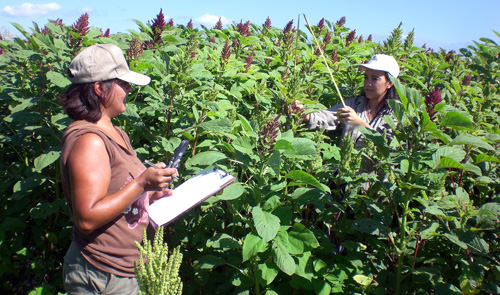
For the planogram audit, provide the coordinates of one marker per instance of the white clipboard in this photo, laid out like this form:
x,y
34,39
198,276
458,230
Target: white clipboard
x,y
189,194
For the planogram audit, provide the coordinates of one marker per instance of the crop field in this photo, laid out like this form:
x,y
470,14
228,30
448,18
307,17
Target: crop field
x,y
298,219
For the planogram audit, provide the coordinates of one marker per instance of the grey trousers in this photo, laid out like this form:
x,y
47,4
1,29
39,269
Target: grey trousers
x,y
81,277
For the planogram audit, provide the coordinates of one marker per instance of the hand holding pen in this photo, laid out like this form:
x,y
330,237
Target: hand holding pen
x,y
161,174
173,164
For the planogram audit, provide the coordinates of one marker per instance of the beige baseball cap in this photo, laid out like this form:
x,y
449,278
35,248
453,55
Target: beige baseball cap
x,y
101,62
383,62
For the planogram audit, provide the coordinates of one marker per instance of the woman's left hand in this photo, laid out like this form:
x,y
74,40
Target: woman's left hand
x,y
349,116
155,196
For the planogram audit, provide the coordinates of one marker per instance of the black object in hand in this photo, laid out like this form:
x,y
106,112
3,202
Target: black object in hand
x,y
178,153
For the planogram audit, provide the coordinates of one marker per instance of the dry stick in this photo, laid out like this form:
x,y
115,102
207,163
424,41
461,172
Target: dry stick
x,y
324,59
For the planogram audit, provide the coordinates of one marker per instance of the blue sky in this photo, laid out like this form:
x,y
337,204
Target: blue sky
x,y
437,23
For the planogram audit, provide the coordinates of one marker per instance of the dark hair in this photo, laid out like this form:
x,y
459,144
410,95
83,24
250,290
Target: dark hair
x,y
81,102
391,92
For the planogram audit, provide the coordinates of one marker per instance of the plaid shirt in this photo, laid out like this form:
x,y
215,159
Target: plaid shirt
x,y
329,120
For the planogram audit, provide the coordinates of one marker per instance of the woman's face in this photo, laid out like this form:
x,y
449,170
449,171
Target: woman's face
x,y
117,98
376,84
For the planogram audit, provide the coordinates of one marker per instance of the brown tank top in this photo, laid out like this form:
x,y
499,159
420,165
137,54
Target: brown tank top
x,y
112,247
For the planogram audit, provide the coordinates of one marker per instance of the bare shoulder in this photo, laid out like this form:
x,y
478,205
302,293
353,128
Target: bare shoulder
x,y
90,148
89,140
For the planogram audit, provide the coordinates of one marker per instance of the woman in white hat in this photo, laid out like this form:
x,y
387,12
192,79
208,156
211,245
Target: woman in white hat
x,y
366,110
107,188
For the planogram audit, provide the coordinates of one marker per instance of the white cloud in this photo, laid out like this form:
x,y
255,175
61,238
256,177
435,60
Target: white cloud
x,y
210,20
86,9
30,10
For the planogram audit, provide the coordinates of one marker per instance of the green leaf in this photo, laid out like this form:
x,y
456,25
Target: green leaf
x,y
370,226
232,192
283,144
435,210
283,259
43,210
304,177
455,240
274,162
245,124
223,242
208,262
217,125
25,185
486,158
457,121
205,158
244,145
266,224
322,288
304,235
479,246
445,162
13,224
267,271
363,280
304,267
303,148
58,79
429,232
471,140
453,153
377,138
252,245
46,159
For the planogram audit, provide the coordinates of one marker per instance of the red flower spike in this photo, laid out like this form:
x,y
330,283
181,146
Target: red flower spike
x,y
218,25
449,55
335,57
288,34
135,50
466,80
268,135
267,24
431,100
225,54
340,22
248,61
327,39
350,37
81,27
157,27
243,28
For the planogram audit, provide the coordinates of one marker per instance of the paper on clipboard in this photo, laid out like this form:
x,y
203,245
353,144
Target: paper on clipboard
x,y
189,194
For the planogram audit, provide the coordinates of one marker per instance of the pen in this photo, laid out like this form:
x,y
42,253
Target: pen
x,y
154,166
151,164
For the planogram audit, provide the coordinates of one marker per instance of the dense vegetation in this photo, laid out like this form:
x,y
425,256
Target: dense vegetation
x,y
298,220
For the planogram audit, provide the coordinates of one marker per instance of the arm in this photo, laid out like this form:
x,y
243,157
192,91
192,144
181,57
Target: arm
x,y
90,174
349,116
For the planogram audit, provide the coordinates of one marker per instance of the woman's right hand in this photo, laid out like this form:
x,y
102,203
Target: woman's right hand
x,y
154,179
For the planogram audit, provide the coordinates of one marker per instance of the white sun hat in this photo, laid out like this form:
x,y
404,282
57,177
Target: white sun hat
x,y
101,62
383,62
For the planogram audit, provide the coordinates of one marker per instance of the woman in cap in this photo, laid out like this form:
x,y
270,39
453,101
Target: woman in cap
x,y
107,188
366,110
